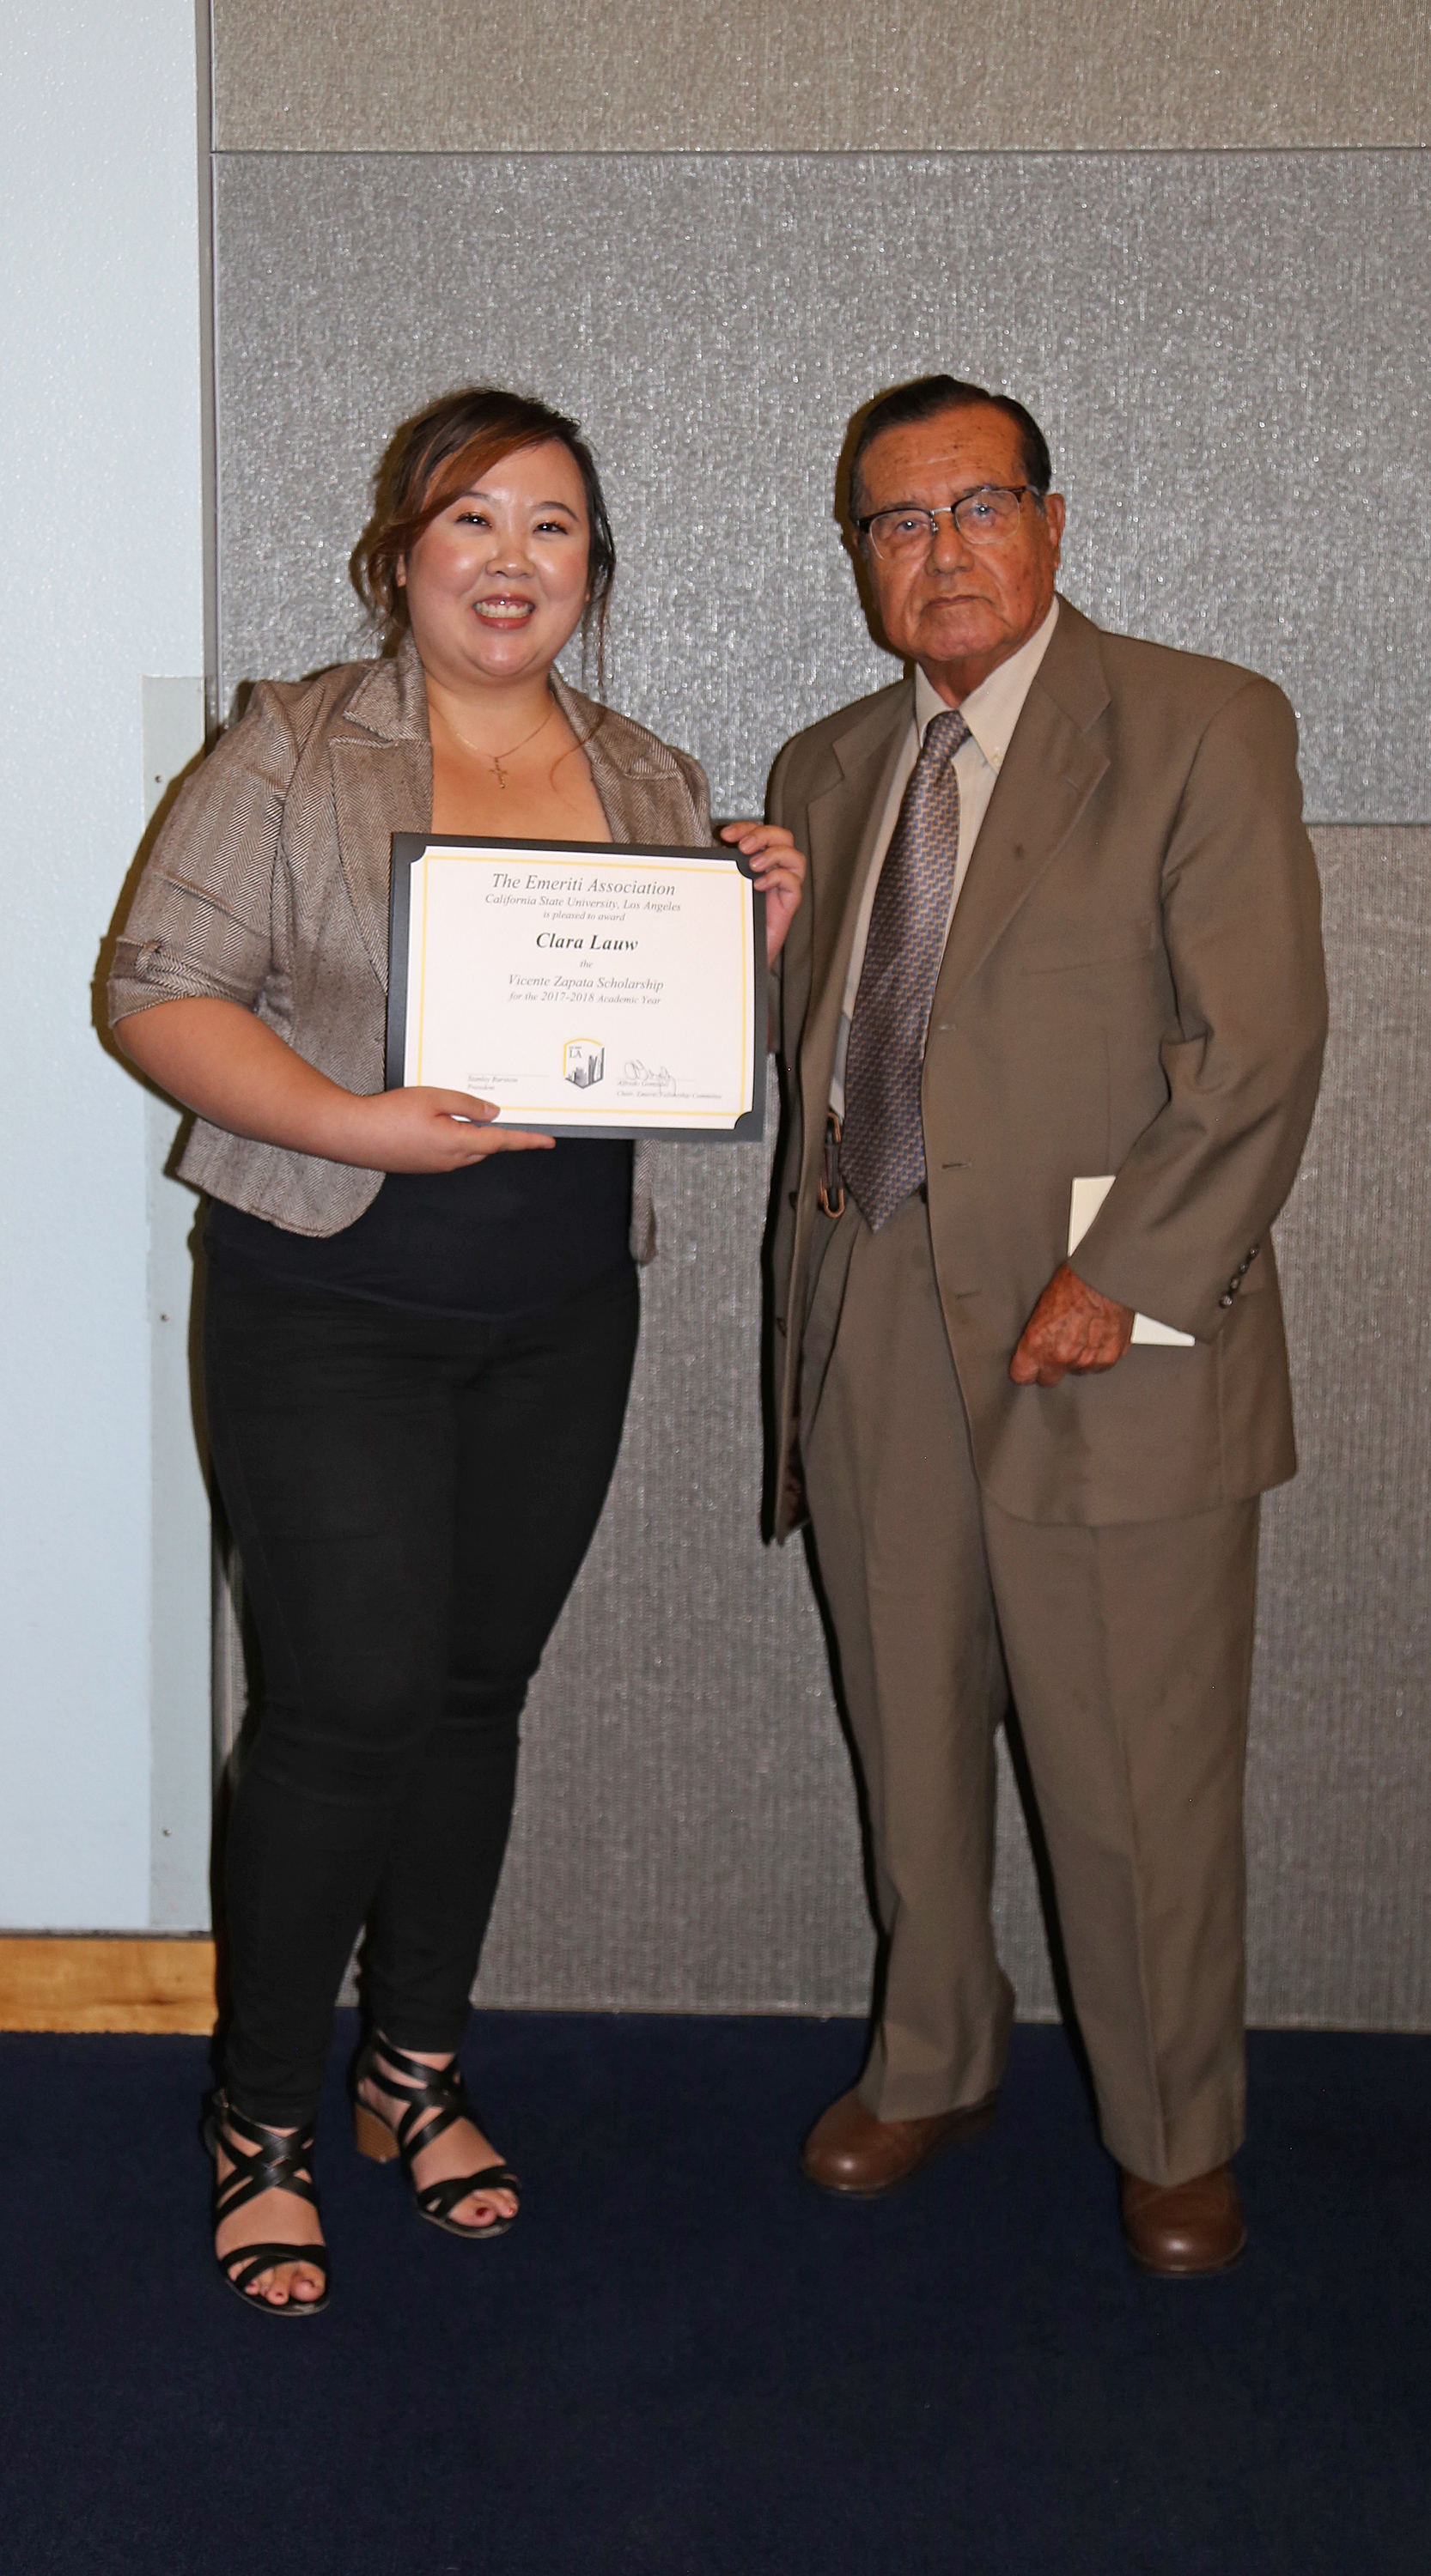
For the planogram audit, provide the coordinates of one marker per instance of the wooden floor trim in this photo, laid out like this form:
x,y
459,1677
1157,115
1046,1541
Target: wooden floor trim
x,y
114,1981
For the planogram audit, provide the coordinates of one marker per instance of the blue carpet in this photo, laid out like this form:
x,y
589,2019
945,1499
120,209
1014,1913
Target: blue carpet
x,y
683,2362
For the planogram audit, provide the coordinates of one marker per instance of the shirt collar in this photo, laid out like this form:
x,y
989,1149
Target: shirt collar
x,y
993,709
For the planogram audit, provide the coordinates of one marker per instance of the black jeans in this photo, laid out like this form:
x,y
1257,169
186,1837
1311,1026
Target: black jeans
x,y
411,1497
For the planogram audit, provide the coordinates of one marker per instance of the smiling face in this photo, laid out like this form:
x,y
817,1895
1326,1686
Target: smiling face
x,y
960,609
496,584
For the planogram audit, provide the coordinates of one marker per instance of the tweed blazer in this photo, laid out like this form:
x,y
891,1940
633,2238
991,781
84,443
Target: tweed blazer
x,y
268,886
1132,985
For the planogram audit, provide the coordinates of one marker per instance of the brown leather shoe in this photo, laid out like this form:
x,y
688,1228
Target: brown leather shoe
x,y
1184,2228
851,2152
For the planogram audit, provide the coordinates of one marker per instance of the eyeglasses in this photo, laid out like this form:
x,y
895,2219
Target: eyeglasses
x,y
983,517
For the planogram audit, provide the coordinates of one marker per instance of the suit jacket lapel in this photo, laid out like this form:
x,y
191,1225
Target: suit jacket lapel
x,y
844,825
1051,768
381,760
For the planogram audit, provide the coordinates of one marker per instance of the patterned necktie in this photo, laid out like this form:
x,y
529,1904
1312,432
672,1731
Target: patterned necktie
x,y
882,1149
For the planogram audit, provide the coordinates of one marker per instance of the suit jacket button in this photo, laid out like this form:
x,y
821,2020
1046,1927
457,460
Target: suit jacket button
x,y
794,1198
780,1323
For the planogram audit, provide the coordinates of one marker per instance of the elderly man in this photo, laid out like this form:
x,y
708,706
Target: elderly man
x,y
1051,1022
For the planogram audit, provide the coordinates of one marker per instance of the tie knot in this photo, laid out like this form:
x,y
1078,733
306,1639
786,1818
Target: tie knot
x,y
944,735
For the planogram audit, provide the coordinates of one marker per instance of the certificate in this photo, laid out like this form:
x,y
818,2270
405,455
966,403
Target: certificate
x,y
588,988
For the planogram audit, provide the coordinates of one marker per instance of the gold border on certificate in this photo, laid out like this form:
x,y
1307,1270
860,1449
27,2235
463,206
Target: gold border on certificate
x,y
514,984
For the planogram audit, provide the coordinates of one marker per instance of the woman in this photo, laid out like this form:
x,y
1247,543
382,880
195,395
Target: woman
x,y
420,1328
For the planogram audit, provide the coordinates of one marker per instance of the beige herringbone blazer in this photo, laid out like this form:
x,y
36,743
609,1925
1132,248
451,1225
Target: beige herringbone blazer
x,y
269,887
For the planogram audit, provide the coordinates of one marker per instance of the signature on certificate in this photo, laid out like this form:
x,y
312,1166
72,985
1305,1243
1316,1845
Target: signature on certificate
x,y
647,1077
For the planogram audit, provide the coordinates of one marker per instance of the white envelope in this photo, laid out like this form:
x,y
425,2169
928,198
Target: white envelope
x,y
1088,1197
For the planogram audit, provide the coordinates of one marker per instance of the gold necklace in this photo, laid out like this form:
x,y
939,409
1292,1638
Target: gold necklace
x,y
497,757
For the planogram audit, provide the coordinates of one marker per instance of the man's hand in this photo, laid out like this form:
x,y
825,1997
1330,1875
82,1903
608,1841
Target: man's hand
x,y
1071,1327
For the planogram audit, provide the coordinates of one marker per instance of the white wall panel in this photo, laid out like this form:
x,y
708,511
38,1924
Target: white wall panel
x,y
99,415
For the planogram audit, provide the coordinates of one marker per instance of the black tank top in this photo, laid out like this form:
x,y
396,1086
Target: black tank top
x,y
514,1235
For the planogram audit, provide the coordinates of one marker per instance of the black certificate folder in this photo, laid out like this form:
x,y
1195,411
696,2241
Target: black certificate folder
x,y
588,988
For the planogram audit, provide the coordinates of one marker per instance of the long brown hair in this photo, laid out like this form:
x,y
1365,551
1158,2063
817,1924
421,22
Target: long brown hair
x,y
441,452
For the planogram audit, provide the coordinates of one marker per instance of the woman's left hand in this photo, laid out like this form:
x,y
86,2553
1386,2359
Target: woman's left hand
x,y
779,871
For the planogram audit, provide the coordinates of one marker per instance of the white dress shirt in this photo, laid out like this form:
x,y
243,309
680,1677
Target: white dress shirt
x,y
991,712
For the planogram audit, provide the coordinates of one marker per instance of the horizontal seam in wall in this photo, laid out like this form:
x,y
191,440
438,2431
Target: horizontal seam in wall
x,y
820,152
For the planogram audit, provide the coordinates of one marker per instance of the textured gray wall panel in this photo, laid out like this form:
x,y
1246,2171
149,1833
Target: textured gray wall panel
x,y
686,1831
1227,353
1340,1779
761,76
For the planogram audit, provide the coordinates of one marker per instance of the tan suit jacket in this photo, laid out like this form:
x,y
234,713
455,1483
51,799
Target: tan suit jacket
x,y
268,886
1133,984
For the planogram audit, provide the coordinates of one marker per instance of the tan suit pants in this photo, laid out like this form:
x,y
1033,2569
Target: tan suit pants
x,y
1127,1650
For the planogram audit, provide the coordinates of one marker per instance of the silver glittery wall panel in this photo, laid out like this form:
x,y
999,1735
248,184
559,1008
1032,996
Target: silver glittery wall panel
x,y
865,75
1340,1778
686,1832
1223,350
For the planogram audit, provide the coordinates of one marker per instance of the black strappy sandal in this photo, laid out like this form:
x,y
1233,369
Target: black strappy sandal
x,y
435,2098
270,2160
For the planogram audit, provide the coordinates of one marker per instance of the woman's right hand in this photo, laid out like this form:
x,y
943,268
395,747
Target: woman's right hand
x,y
219,1059
425,1130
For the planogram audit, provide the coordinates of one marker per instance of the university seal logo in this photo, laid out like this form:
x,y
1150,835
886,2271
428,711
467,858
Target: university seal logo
x,y
583,1062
